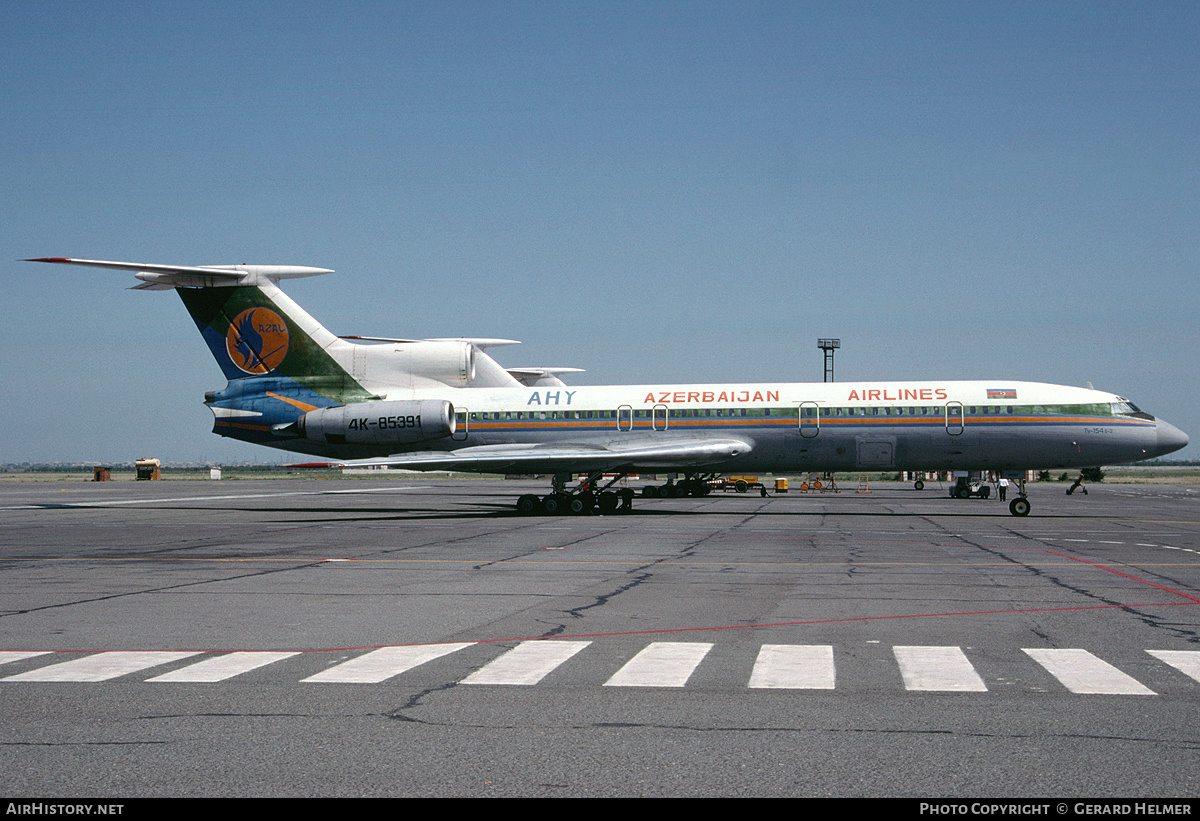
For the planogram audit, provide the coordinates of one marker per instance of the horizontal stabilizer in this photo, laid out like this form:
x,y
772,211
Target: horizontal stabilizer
x,y
161,277
534,372
541,377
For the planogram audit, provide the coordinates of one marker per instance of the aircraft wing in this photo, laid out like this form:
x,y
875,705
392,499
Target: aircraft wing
x,y
691,453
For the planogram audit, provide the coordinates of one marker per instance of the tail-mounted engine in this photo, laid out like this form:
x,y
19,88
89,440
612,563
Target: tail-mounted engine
x,y
449,362
399,422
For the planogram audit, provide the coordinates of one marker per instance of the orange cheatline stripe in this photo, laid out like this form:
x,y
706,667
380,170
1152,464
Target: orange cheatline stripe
x,y
304,406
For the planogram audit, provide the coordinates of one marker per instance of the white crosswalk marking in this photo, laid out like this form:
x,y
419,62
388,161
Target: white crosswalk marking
x,y
379,665
222,667
1081,672
661,664
937,669
1185,661
100,667
16,655
527,663
658,664
794,666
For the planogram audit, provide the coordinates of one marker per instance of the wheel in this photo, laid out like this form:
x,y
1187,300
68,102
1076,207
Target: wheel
x,y
740,486
919,485
626,496
608,502
762,491
576,505
552,504
650,492
1019,507
527,504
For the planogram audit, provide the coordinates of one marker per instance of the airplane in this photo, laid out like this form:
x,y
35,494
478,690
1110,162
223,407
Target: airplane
x,y
445,404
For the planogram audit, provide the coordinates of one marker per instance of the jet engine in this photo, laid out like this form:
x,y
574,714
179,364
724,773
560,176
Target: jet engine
x,y
449,362
397,422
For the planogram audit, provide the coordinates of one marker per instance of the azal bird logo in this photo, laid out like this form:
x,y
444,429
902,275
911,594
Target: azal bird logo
x,y
257,340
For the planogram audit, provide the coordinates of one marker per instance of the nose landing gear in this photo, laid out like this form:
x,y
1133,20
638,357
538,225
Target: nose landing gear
x,y
1020,505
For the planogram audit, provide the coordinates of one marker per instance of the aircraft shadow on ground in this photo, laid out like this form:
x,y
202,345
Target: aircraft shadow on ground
x,y
493,510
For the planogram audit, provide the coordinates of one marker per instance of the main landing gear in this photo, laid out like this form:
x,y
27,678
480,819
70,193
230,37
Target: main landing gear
x,y
589,496
583,499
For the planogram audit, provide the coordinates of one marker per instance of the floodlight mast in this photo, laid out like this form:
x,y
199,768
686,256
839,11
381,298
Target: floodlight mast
x,y
829,346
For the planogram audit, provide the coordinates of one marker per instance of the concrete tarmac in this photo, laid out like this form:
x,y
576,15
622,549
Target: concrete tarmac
x,y
334,637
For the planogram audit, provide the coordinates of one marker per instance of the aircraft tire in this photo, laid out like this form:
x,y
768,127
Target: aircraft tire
x,y
552,504
650,492
608,502
528,504
1019,507
576,505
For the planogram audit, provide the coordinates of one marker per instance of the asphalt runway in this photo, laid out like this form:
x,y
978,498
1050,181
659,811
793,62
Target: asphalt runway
x,y
344,637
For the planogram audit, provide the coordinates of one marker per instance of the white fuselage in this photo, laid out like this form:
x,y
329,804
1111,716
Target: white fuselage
x,y
978,425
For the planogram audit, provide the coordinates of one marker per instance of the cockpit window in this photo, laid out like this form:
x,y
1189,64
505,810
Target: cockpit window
x,y
1124,407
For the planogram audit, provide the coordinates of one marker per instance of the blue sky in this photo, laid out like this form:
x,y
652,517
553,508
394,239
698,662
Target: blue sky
x,y
655,192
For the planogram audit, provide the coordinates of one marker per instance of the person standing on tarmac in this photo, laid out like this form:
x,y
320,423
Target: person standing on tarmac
x,y
1003,488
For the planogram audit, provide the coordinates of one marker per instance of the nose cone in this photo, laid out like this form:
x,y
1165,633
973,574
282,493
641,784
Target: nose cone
x,y
1170,438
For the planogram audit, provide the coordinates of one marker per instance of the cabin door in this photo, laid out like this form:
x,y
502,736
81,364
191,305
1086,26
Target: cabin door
x,y
810,420
954,418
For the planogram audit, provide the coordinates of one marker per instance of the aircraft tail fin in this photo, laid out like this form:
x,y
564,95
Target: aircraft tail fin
x,y
257,330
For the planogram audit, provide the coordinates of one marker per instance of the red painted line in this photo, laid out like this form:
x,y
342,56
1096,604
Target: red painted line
x,y
768,626
667,630
1164,588
1189,600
